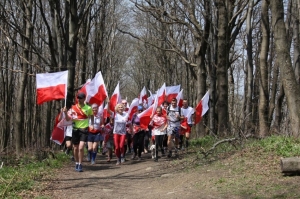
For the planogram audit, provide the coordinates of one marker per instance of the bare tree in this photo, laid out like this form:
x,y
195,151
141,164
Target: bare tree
x,y
291,88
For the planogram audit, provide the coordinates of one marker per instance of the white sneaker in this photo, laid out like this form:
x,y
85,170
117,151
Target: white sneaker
x,y
122,160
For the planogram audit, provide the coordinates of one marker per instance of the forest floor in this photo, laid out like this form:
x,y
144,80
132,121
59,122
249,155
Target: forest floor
x,y
240,174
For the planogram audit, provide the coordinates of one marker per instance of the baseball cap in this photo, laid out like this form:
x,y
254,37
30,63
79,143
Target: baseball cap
x,y
81,95
140,107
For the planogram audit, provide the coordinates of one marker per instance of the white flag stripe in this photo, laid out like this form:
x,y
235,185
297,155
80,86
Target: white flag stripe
x,y
205,100
51,79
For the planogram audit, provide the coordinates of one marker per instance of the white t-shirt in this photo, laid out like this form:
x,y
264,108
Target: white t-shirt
x,y
120,123
185,112
173,119
97,122
68,130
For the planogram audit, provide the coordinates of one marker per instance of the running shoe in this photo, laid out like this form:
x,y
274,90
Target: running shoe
x,y
133,156
80,168
118,162
76,167
139,158
122,160
170,154
93,162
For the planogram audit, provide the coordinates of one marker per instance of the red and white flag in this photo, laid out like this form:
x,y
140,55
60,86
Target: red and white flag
x,y
202,108
58,132
58,135
100,110
151,98
115,98
63,122
51,86
143,98
161,94
133,108
145,116
172,92
96,91
179,98
105,112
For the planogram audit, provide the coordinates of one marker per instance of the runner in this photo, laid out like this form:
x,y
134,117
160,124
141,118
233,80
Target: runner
x,y
119,132
80,113
138,134
159,123
109,138
94,134
186,111
128,140
165,106
174,115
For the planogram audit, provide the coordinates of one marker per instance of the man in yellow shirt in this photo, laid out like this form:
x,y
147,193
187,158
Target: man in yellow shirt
x,y
80,114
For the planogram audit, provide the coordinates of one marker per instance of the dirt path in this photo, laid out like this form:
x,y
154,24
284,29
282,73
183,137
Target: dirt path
x,y
134,179
241,175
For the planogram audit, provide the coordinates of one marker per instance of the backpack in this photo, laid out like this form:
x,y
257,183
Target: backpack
x,y
179,110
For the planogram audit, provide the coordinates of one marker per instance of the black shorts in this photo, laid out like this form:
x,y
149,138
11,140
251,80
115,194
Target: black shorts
x,y
79,135
68,138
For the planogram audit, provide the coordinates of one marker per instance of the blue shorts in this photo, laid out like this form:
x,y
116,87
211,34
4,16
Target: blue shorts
x,y
173,131
94,137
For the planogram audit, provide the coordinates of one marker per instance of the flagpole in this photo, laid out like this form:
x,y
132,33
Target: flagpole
x,y
66,89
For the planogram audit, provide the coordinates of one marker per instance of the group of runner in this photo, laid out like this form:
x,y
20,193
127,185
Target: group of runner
x,y
168,127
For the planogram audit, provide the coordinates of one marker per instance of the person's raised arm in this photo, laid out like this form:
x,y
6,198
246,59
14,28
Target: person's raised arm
x,y
65,110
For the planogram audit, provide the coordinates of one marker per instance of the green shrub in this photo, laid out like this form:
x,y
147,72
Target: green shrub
x,y
23,176
203,142
281,145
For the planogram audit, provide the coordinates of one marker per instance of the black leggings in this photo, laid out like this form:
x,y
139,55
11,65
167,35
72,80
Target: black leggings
x,y
138,142
159,143
147,137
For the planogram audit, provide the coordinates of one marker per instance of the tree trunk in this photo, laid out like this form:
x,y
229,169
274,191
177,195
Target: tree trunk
x,y
72,48
221,71
291,88
263,108
23,80
249,81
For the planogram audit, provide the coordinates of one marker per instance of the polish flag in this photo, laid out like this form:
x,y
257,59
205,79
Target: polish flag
x,y
51,86
96,91
202,108
133,108
105,112
145,116
63,122
58,133
172,92
161,94
100,110
115,98
185,128
179,98
143,96
83,89
151,98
